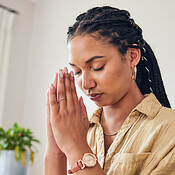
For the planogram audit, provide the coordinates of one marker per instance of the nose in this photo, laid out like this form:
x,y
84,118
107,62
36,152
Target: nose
x,y
87,81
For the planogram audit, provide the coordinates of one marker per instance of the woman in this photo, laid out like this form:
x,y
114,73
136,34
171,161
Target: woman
x,y
132,131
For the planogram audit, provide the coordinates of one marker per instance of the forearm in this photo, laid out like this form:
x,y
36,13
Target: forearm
x,y
77,155
55,165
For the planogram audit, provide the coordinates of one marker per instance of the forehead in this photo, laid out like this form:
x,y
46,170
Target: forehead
x,y
85,47
84,42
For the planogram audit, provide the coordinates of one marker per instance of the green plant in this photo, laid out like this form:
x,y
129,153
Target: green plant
x,y
19,140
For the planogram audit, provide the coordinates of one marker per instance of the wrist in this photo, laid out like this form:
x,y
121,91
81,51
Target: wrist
x,y
54,154
88,160
77,153
54,164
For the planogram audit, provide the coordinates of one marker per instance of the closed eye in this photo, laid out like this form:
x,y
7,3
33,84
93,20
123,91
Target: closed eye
x,y
76,73
101,68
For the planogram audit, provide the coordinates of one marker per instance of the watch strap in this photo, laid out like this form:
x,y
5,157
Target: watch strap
x,y
77,166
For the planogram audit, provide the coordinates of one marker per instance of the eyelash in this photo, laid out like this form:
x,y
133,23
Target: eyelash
x,y
99,69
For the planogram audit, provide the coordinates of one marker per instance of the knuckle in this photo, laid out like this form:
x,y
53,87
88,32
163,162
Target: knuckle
x,y
61,93
61,80
52,92
68,89
53,102
67,76
71,89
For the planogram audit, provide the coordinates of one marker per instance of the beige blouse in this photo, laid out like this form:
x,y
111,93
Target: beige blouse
x,y
145,144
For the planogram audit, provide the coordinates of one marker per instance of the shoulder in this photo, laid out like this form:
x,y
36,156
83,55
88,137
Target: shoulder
x,y
167,110
164,124
167,115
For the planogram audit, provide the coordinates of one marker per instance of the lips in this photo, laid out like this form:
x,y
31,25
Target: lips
x,y
95,96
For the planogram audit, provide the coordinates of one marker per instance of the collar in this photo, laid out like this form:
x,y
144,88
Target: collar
x,y
149,106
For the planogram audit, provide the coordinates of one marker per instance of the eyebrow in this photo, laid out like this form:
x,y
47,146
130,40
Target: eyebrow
x,y
90,60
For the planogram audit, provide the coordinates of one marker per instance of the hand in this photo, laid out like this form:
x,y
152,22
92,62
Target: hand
x,y
69,119
52,147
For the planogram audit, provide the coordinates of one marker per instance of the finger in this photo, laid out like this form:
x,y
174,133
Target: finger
x,y
83,107
53,102
61,90
68,91
74,93
55,82
48,124
84,111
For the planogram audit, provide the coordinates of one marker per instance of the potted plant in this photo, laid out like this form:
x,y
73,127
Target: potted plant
x,y
16,150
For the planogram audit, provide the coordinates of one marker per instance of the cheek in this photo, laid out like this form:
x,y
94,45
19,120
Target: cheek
x,y
110,76
115,78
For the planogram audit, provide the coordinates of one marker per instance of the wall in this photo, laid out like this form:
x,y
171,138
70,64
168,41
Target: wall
x,y
21,35
48,51
16,81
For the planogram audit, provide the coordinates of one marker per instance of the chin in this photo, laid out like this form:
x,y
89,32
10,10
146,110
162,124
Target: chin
x,y
101,104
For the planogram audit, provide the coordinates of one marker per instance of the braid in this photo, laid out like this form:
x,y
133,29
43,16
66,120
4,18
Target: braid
x,y
114,26
149,78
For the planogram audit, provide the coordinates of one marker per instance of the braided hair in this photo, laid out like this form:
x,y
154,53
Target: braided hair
x,y
114,26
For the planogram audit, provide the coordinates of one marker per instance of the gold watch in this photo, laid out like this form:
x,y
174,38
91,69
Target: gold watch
x,y
88,160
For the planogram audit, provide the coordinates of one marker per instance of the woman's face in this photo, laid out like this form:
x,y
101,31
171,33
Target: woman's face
x,y
99,70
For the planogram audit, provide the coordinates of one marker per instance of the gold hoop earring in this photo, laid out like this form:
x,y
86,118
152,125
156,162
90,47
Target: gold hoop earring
x,y
134,73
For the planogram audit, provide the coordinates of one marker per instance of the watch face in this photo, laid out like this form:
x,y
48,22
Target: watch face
x,y
89,159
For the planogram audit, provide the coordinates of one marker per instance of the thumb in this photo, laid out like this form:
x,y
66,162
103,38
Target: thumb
x,y
84,111
83,107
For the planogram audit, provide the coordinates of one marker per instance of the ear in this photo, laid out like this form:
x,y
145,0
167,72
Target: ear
x,y
134,56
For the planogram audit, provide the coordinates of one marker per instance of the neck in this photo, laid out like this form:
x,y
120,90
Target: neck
x,y
117,113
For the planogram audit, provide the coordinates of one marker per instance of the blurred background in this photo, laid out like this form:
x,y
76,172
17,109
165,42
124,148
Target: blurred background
x,y
39,48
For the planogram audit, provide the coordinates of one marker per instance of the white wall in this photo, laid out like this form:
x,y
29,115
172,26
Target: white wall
x,y
48,52
21,35
16,81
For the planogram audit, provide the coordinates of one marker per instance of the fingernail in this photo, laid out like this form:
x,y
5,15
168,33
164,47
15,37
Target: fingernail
x,y
71,73
52,86
65,70
61,73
